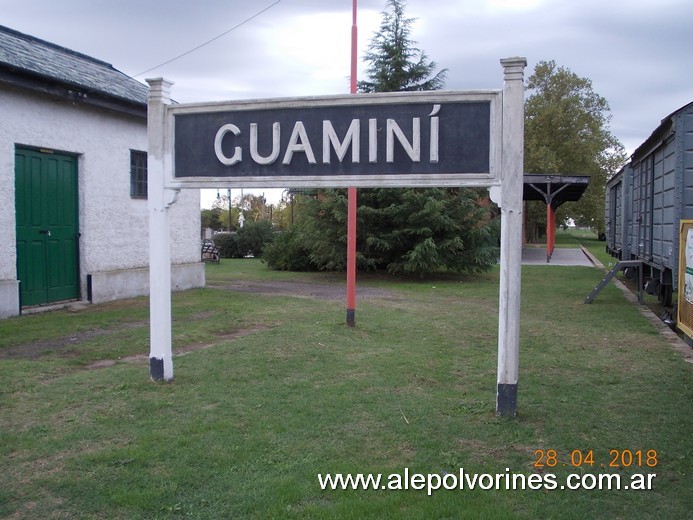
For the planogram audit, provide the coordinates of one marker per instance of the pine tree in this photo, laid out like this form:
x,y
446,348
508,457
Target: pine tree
x,y
418,231
405,231
395,64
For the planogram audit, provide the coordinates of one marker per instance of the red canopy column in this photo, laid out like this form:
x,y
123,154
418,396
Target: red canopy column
x,y
550,231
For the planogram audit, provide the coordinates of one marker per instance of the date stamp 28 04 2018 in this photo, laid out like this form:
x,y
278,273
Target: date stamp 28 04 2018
x,y
585,458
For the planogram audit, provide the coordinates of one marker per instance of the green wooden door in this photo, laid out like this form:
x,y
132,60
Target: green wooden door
x,y
47,226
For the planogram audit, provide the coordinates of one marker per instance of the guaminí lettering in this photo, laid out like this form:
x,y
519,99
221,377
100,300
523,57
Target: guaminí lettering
x,y
332,145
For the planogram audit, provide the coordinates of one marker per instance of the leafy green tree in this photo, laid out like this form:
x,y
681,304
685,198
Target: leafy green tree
x,y
254,207
566,132
210,218
279,214
226,220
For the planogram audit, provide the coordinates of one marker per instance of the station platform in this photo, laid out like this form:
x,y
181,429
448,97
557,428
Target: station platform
x,y
561,256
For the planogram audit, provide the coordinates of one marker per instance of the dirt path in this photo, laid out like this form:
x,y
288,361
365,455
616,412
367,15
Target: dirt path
x,y
181,351
37,348
303,290
63,346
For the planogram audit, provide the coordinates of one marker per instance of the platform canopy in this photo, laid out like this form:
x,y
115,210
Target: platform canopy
x,y
553,190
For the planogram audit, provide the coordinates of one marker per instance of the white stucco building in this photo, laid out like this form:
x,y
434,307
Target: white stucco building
x,y
73,199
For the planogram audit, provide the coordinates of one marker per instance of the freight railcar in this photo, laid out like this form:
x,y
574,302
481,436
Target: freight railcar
x,y
647,199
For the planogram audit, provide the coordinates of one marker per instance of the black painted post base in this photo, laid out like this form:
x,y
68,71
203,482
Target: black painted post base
x,y
506,400
156,369
351,317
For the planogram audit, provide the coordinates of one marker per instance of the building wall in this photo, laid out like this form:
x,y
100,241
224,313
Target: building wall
x,y
113,226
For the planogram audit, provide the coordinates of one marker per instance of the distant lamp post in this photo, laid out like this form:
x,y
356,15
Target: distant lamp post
x,y
288,197
228,192
228,195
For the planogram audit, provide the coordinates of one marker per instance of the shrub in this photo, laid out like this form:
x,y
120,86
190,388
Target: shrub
x,y
404,231
288,252
252,238
226,242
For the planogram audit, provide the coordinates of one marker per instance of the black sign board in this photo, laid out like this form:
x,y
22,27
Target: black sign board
x,y
353,140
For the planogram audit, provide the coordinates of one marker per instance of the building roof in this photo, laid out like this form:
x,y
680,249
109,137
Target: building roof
x,y
554,189
660,134
31,63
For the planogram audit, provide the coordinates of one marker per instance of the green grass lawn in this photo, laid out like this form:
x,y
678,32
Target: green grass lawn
x,y
275,389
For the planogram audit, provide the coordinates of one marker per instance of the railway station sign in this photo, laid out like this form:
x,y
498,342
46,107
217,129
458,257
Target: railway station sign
x,y
392,139
414,139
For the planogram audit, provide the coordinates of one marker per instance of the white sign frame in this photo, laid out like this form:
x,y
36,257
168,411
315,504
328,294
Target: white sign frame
x,y
506,188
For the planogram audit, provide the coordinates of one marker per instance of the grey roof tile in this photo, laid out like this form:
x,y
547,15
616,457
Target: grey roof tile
x,y
54,63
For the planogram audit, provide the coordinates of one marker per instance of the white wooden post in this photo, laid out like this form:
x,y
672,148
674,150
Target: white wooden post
x,y
512,169
158,159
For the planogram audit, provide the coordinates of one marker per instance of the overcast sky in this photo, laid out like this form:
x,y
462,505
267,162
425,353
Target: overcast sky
x,y
637,53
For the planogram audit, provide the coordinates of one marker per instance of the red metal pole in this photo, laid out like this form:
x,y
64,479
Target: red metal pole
x,y
354,42
351,258
553,229
351,199
550,231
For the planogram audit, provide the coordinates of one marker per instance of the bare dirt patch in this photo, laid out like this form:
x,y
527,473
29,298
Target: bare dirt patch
x,y
62,346
180,351
302,290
